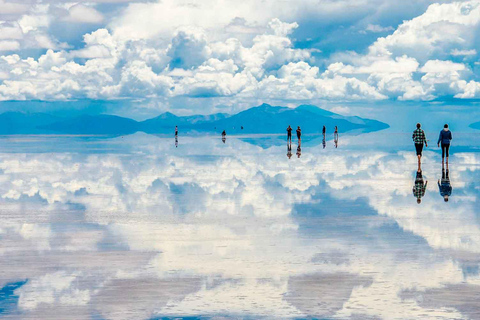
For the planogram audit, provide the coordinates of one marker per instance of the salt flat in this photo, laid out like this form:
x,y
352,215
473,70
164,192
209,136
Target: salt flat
x,y
133,227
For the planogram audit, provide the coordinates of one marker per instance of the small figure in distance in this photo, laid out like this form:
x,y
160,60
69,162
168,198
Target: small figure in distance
x,y
224,136
241,127
335,140
419,139
289,134
289,150
324,143
444,185
299,135
324,131
176,141
176,131
335,133
419,188
299,150
445,138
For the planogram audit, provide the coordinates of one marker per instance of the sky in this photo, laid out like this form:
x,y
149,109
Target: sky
x,y
145,57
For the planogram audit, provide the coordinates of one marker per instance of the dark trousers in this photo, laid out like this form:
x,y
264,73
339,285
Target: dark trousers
x,y
419,148
445,149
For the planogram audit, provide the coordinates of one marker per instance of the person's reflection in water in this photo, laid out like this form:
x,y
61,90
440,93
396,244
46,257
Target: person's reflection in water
x,y
324,143
335,140
419,187
444,185
289,150
176,141
224,136
299,149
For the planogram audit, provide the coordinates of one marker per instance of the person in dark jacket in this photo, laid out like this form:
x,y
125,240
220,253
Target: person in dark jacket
x,y
289,134
444,185
444,138
299,134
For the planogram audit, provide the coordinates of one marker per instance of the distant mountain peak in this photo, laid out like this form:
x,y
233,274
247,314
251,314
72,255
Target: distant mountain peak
x,y
264,118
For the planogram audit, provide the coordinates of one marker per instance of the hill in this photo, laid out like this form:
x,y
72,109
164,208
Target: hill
x,y
261,119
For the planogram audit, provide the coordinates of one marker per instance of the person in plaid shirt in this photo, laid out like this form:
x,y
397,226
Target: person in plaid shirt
x,y
419,139
419,188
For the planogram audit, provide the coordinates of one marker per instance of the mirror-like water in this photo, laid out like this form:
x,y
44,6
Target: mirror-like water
x,y
136,227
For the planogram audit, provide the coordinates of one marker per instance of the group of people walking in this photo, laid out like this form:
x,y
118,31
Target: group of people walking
x,y
299,137
444,139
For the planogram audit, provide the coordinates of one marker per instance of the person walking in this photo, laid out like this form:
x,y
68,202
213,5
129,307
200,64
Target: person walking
x,y
176,131
445,138
299,134
289,134
419,139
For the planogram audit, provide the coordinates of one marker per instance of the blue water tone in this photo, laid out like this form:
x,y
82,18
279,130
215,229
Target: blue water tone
x,y
143,227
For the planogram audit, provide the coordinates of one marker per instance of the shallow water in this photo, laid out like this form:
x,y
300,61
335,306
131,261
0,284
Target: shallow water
x,y
134,227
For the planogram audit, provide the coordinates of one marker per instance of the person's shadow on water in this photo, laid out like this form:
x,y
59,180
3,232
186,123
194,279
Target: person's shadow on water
x,y
444,185
289,150
419,187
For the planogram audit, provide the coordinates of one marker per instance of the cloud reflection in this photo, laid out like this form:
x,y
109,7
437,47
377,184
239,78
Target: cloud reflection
x,y
213,228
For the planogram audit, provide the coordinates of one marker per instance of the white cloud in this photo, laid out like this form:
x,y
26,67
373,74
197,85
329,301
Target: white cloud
x,y
377,28
83,14
10,31
262,62
437,30
9,45
456,52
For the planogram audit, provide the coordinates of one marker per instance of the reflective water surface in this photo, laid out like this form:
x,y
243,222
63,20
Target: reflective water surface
x,y
149,227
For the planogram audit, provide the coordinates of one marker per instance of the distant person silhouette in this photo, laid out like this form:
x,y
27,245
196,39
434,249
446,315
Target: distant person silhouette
x,y
335,141
176,141
289,134
324,131
419,187
419,139
176,131
335,132
445,138
299,134
241,127
444,185
324,143
289,150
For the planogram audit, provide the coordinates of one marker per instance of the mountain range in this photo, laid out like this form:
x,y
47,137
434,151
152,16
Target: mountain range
x,y
261,119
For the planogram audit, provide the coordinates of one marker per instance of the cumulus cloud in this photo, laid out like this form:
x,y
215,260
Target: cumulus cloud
x,y
237,57
83,14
